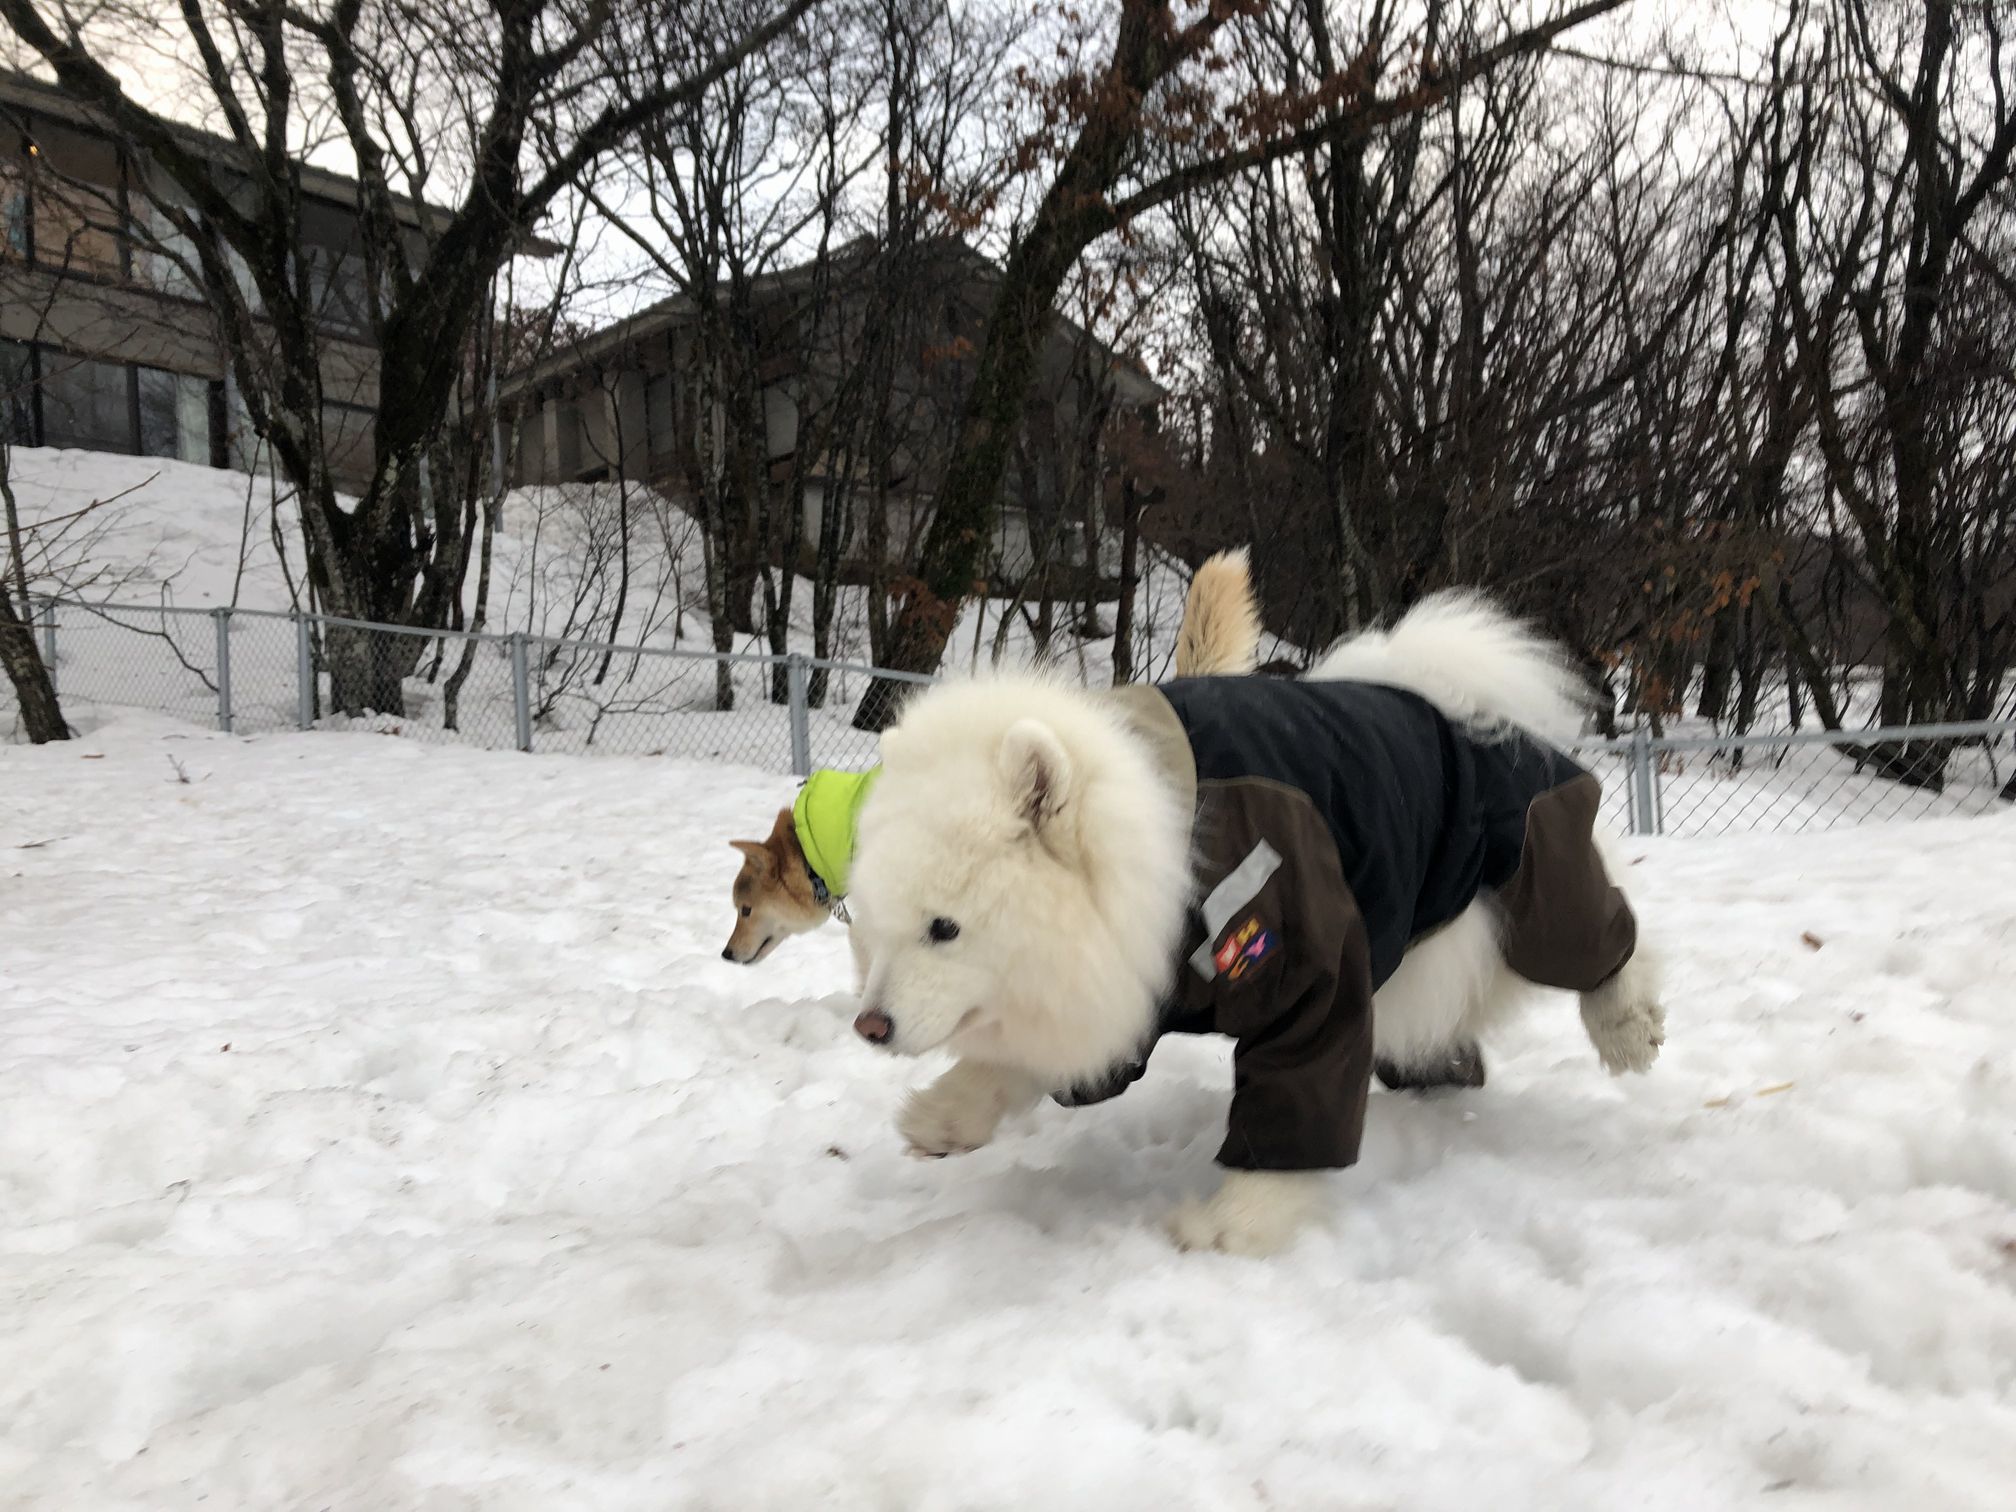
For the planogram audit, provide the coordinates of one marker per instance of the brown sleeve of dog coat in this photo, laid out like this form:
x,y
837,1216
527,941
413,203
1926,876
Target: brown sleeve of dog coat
x,y
1291,980
1566,925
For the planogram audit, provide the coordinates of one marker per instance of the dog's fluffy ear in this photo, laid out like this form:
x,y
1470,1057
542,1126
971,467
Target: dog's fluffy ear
x,y
756,854
1038,771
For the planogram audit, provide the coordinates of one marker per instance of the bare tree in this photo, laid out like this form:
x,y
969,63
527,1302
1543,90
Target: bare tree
x,y
1901,137
1113,110
502,106
20,656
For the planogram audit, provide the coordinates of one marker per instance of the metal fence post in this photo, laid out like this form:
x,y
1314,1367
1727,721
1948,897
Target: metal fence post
x,y
223,618
521,691
796,685
1643,821
49,640
1655,784
304,672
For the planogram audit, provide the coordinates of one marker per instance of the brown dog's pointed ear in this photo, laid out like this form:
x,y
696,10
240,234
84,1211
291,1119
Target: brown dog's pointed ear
x,y
783,841
756,853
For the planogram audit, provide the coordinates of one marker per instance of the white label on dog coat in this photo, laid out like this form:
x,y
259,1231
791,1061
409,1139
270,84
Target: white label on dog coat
x,y
1239,887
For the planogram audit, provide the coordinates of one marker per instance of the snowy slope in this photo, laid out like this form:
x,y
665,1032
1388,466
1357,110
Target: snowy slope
x,y
201,537
379,1129
197,538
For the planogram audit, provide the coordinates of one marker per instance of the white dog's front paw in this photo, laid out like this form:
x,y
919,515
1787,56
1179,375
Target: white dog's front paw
x,y
1627,1032
1623,1017
959,1112
1252,1213
932,1125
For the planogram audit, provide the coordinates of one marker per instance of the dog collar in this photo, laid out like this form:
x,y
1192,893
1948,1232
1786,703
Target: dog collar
x,y
823,896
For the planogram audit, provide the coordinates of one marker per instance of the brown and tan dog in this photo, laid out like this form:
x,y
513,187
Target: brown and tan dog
x,y
777,893
774,896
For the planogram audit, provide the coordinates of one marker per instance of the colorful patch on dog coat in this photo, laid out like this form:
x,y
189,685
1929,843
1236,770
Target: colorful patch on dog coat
x,y
1244,948
1257,950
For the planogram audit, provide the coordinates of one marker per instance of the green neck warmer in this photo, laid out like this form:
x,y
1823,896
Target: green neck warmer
x,y
824,815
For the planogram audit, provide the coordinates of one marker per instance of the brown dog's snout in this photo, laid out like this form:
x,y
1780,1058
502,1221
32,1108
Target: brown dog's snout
x,y
873,1025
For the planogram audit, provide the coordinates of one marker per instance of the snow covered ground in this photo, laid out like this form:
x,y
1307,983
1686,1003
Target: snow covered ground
x,y
380,1129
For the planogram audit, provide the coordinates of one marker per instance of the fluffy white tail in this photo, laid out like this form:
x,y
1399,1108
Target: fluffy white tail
x,y
1220,635
1474,662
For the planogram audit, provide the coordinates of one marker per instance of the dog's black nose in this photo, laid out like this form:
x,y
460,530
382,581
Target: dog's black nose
x,y
727,952
873,1025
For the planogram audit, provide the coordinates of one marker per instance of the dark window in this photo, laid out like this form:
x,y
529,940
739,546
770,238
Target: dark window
x,y
76,202
174,415
157,413
336,289
86,404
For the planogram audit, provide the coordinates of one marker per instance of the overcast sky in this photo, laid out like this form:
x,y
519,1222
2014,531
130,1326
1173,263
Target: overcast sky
x,y
154,69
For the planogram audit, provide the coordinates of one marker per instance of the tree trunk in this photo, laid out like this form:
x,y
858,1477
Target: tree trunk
x,y
34,690
451,691
969,500
622,563
1130,552
1805,661
712,548
835,531
1750,665
1718,666
744,576
367,567
368,669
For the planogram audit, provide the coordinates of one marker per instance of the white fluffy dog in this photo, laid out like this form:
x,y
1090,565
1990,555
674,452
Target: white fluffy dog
x,y
1025,879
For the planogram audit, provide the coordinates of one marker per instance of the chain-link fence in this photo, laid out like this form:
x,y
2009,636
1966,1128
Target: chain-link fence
x,y
251,670
1803,780
248,671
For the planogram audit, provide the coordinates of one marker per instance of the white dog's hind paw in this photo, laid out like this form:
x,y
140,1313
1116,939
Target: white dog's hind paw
x,y
1253,1213
1626,1032
959,1112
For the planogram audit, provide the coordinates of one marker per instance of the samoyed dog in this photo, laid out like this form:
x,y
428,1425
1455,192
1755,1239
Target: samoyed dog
x,y
1037,894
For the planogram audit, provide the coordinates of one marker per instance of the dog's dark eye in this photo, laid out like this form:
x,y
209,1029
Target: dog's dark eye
x,y
943,930
745,910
